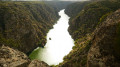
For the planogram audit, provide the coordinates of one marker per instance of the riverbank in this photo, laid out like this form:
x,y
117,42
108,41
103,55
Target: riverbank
x,y
95,30
55,49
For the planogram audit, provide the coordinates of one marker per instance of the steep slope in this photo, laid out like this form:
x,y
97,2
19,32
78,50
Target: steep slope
x,y
87,19
13,58
88,46
59,5
73,9
24,25
105,49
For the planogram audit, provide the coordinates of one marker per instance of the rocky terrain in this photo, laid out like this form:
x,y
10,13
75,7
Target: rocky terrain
x,y
105,48
24,25
94,26
87,19
13,58
95,30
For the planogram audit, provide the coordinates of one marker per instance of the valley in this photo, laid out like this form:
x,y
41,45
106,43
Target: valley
x,y
93,26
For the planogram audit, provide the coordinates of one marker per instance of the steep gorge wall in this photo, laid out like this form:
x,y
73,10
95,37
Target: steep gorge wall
x,y
24,25
59,5
105,46
13,58
92,29
87,19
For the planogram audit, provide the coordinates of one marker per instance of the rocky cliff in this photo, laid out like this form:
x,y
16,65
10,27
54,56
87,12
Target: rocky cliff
x,y
95,30
13,58
24,25
105,49
87,19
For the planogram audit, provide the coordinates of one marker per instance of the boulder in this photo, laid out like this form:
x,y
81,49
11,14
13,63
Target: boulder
x,y
37,63
11,58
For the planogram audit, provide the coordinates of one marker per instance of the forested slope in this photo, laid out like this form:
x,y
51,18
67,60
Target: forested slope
x,y
24,25
87,19
95,30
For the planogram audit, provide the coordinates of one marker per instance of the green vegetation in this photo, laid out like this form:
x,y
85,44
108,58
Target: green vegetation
x,y
59,5
78,56
82,24
9,42
103,18
89,17
73,9
26,23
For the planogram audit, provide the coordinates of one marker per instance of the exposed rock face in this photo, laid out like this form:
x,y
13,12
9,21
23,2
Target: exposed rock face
x,y
24,25
87,19
105,51
91,28
12,58
37,63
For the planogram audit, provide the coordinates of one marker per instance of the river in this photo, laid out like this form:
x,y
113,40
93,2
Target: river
x,y
59,42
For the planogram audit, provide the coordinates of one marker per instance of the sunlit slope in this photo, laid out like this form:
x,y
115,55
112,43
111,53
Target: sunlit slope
x,y
95,30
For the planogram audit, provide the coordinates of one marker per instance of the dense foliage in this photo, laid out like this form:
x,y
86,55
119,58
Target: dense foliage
x,y
25,23
73,9
87,19
81,29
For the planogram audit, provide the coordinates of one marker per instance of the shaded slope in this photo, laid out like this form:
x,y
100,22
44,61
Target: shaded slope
x,y
87,19
24,25
59,5
73,9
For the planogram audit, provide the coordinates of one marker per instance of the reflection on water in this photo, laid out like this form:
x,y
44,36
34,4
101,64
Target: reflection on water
x,y
59,43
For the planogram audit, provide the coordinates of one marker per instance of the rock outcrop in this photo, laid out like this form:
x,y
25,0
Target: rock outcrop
x,y
97,38
87,18
13,58
37,63
105,49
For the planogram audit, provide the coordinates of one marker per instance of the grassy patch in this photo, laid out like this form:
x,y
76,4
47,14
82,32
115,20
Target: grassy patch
x,y
104,17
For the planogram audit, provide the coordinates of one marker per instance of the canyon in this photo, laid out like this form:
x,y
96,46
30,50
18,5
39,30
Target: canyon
x,y
94,26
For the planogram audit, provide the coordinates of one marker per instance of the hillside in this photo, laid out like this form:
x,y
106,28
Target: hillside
x,y
59,5
73,9
24,25
87,19
94,26
92,29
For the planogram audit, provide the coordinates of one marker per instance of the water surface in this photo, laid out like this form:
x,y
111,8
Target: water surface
x,y
59,43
